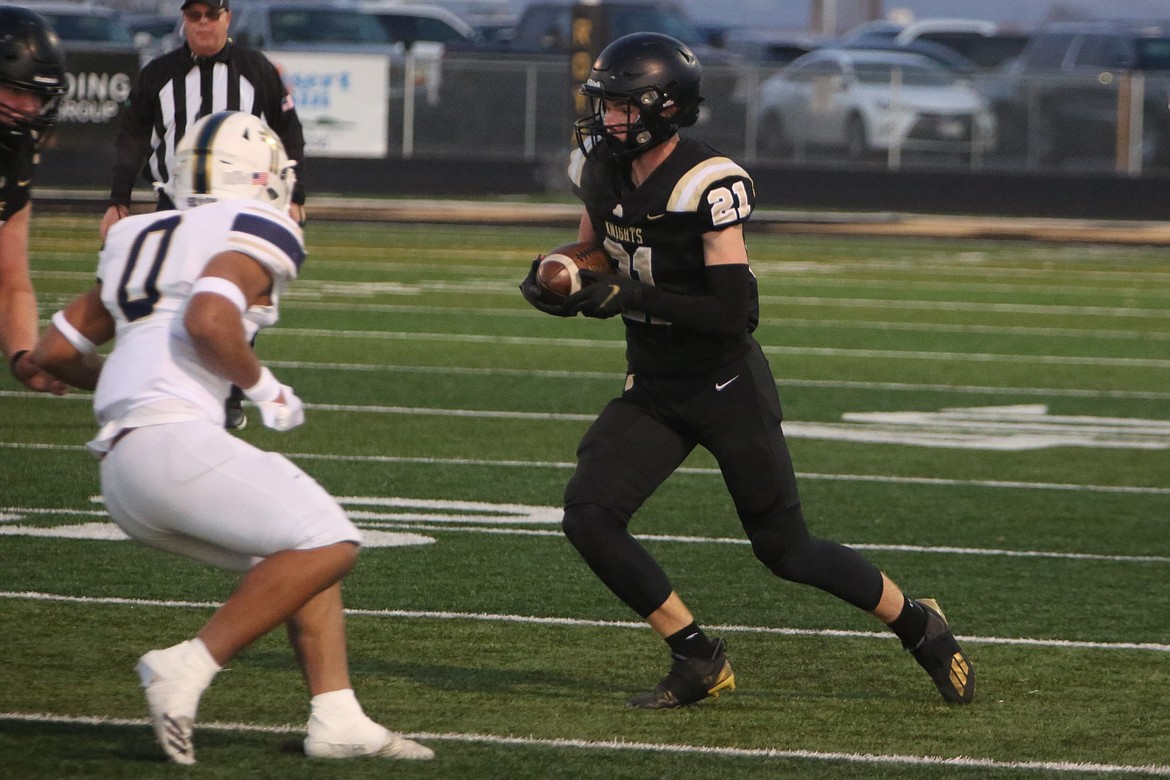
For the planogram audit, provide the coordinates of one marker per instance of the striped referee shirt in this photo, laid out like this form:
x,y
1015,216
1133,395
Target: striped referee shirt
x,y
176,89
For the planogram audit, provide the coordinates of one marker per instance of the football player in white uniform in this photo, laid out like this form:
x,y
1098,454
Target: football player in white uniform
x,y
183,292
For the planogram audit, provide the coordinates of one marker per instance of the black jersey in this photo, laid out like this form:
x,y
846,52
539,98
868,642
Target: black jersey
x,y
17,163
655,234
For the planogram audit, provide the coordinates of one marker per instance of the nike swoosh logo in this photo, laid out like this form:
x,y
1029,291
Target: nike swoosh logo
x,y
613,293
719,386
23,183
655,216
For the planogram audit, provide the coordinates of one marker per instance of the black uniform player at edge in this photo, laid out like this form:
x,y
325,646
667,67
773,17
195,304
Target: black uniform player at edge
x,y
32,83
670,212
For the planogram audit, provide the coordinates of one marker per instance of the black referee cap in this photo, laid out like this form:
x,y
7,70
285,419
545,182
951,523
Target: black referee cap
x,y
218,5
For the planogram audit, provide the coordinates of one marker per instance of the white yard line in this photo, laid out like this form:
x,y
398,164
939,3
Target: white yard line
x,y
879,354
496,524
894,759
568,465
488,617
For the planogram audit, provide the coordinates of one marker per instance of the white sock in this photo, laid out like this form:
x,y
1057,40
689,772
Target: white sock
x,y
336,706
193,659
185,661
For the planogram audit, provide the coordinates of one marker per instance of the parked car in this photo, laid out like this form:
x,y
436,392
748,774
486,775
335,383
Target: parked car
x,y
768,46
544,27
1059,99
408,23
960,44
154,34
982,43
297,26
85,26
941,55
332,27
862,101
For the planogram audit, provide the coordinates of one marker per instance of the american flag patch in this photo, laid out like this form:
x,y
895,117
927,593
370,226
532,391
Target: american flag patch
x,y
260,178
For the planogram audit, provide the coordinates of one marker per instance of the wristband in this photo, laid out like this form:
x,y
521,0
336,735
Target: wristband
x,y
72,334
220,286
266,389
12,361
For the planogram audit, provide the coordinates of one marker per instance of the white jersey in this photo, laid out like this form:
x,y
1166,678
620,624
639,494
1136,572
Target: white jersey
x,y
147,267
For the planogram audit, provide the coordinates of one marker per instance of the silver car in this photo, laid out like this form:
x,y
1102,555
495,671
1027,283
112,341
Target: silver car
x,y
865,102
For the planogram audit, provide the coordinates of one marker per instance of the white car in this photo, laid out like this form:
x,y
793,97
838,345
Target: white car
x,y
869,101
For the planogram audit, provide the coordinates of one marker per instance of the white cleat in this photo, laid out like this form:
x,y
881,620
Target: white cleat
x,y
397,746
381,743
173,702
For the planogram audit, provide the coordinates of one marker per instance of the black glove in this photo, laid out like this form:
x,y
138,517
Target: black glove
x,y
604,295
531,293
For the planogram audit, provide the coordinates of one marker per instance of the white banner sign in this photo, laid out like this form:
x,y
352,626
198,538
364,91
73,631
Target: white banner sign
x,y
341,100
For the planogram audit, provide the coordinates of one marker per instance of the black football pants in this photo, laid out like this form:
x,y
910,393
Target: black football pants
x,y
642,437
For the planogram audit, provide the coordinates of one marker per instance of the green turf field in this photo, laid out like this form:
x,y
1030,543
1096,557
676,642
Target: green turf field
x,y
988,421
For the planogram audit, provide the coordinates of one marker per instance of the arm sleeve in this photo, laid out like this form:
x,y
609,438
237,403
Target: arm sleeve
x,y
281,114
133,141
725,311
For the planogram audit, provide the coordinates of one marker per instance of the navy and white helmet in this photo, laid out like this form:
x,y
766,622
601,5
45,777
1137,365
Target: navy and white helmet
x,y
230,155
30,60
652,71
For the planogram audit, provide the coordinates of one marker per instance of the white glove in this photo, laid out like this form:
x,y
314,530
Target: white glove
x,y
276,415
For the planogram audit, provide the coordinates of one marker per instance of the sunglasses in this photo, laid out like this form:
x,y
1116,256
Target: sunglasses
x,y
193,15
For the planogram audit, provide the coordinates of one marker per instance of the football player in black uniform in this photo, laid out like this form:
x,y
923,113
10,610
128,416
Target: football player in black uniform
x,y
670,212
32,81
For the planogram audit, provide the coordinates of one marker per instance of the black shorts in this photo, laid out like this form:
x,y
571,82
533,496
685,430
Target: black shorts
x,y
639,439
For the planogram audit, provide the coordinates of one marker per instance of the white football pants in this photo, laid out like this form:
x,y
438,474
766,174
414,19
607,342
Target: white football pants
x,y
194,489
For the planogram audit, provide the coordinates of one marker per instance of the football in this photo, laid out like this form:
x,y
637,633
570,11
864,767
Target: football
x,y
558,275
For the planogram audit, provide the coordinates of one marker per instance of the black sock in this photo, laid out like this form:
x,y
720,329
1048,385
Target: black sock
x,y
910,625
690,642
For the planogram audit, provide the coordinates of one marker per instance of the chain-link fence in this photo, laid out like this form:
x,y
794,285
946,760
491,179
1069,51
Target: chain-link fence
x,y
495,106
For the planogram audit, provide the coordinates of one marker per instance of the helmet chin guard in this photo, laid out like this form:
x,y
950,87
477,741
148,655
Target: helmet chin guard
x,y
230,155
658,77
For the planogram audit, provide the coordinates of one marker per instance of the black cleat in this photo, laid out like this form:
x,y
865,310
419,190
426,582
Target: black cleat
x,y
942,658
690,680
234,418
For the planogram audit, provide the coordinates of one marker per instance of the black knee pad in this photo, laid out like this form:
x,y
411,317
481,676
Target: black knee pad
x,y
784,545
587,525
774,534
601,538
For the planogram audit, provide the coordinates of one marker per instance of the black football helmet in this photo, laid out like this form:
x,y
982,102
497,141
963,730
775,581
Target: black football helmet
x,y
30,60
654,72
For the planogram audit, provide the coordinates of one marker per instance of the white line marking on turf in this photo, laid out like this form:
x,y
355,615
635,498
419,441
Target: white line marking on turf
x,y
824,302
369,519
616,378
562,621
610,376
496,515
877,354
788,322
965,762
1017,430
564,465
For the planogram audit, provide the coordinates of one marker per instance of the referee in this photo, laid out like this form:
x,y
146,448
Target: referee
x,y
208,73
